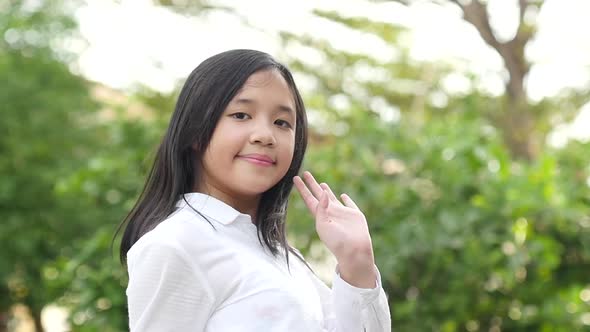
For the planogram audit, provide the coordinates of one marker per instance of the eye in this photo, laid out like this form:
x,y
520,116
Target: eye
x,y
240,116
283,123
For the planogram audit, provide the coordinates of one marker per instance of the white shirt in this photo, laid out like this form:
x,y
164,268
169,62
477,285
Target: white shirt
x,y
184,275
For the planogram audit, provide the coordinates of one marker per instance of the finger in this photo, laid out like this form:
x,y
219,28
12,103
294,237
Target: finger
x,y
331,195
321,214
312,184
348,201
310,201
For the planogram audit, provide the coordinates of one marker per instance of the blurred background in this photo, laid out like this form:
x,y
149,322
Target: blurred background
x,y
460,127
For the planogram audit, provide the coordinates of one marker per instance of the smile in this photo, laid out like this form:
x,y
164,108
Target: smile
x,y
259,160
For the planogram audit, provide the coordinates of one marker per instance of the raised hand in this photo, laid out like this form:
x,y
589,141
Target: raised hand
x,y
342,227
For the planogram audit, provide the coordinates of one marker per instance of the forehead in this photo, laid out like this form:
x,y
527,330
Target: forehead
x,y
265,77
266,90
269,82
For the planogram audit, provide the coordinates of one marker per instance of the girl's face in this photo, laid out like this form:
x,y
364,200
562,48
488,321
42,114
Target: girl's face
x,y
252,145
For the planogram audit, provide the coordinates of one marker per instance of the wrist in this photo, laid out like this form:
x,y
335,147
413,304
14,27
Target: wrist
x,y
354,257
358,269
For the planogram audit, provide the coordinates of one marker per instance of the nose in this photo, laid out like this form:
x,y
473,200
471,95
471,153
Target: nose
x,y
263,134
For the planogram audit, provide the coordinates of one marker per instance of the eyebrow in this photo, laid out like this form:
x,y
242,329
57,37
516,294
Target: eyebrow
x,y
246,101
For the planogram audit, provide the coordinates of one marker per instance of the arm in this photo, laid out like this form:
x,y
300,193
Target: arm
x,y
349,308
357,301
165,291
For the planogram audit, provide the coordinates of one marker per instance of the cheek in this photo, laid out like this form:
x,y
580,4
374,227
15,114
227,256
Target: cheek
x,y
216,156
224,146
208,162
288,151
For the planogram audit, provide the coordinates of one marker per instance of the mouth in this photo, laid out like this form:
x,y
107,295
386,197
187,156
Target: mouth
x,y
257,159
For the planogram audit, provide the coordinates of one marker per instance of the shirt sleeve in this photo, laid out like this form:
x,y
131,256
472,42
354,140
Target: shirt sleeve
x,y
351,309
165,291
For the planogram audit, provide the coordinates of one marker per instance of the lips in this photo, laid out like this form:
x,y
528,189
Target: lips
x,y
258,158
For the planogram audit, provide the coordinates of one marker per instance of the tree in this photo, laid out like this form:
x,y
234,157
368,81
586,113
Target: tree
x,y
522,125
470,231
90,277
48,134
517,121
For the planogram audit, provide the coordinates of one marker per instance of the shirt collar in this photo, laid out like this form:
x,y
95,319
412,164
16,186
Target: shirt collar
x,y
211,207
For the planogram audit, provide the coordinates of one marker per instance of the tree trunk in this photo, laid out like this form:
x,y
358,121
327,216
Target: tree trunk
x,y
36,315
517,123
518,129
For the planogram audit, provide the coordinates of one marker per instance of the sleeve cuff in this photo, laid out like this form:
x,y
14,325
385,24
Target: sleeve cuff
x,y
365,295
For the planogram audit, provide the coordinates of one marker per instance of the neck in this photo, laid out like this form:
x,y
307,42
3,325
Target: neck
x,y
243,204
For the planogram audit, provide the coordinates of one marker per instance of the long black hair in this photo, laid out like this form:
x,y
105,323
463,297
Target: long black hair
x,y
203,98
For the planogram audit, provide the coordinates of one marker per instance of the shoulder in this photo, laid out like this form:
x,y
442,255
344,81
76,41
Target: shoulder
x,y
165,279
182,233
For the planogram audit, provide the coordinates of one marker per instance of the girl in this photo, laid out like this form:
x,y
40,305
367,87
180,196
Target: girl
x,y
205,245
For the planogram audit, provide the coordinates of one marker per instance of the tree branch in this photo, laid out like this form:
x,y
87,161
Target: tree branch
x,y
517,122
476,13
522,5
523,33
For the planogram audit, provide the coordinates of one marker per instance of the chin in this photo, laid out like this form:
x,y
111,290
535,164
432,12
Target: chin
x,y
257,189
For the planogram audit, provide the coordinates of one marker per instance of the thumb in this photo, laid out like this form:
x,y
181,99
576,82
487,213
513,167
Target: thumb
x,y
322,208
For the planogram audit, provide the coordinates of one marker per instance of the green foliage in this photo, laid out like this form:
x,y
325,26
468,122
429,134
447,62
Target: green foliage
x,y
463,235
43,122
63,189
466,237
91,273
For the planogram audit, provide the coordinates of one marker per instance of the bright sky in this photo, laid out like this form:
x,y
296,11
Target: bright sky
x,y
132,41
